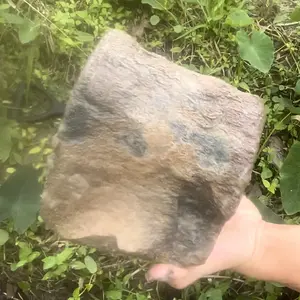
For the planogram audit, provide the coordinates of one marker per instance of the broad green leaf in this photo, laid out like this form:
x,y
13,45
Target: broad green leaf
x,y
290,180
47,151
126,278
175,49
68,41
60,270
76,293
154,20
266,173
295,15
82,14
267,214
281,17
258,49
118,284
13,18
4,6
92,250
24,286
239,18
5,141
90,264
89,286
269,288
287,103
84,36
49,262
27,203
4,236
129,297
156,4
244,86
35,150
200,2
82,251
64,255
13,267
178,28
28,32
78,265
224,286
10,170
266,183
276,284
22,245
21,263
140,296
202,297
114,295
20,197
297,87
48,275
24,252
33,256
214,294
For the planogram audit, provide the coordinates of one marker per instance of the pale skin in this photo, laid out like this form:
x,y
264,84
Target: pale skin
x,y
247,245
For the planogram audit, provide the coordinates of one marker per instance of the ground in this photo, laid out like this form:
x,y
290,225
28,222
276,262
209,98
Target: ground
x,y
47,43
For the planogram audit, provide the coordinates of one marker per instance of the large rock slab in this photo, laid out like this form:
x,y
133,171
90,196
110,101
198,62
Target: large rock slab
x,y
151,158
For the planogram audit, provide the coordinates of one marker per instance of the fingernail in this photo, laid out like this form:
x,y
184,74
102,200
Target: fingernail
x,y
163,276
149,279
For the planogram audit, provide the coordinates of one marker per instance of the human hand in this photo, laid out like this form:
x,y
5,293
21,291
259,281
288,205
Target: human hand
x,y
234,249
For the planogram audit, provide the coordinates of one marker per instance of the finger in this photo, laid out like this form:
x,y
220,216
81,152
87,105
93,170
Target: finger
x,y
163,272
176,277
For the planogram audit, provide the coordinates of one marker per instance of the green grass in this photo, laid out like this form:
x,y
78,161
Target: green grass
x,y
49,41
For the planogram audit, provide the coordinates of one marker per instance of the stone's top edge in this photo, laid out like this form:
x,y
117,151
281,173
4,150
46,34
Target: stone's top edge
x,y
115,40
116,32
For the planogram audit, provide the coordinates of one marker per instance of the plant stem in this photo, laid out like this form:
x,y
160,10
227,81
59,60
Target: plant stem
x,y
270,134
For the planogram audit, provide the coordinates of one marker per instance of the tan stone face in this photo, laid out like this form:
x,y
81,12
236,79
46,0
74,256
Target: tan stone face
x,y
151,158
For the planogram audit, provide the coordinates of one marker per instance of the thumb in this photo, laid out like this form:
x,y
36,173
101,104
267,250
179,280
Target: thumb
x,y
175,276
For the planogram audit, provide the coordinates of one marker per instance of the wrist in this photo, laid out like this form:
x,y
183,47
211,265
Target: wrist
x,y
275,255
254,266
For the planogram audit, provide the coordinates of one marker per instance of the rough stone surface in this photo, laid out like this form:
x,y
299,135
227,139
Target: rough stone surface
x,y
151,158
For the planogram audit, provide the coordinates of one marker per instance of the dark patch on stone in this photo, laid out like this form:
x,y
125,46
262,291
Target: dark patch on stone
x,y
103,114
195,200
76,123
97,102
197,211
134,142
208,148
180,131
82,93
